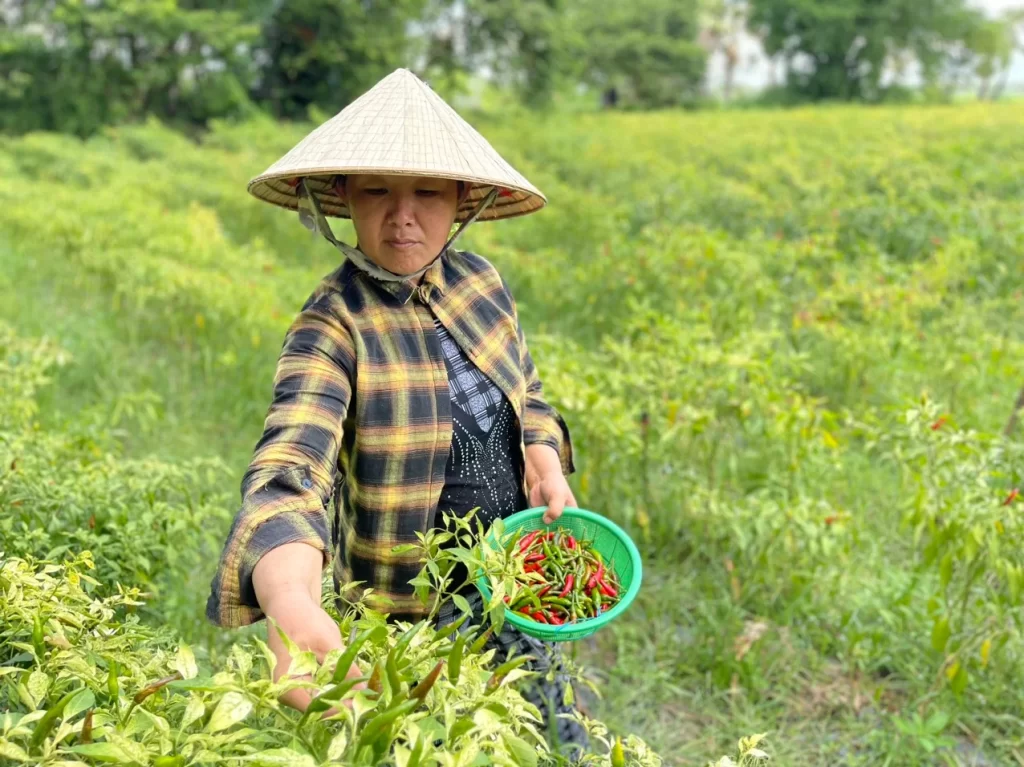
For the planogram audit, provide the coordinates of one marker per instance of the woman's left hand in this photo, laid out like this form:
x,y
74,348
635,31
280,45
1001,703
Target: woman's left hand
x,y
546,482
553,491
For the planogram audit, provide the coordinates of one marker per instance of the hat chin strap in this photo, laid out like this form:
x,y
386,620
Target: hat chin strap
x,y
312,217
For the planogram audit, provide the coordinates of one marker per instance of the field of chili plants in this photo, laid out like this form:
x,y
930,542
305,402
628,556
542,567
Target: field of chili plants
x,y
788,346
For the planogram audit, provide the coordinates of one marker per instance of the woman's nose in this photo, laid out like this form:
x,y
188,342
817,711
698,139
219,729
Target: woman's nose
x,y
401,210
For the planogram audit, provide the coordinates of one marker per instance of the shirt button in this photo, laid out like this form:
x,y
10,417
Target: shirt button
x,y
307,483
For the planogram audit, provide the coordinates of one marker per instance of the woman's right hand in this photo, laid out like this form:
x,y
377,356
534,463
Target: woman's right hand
x,y
288,588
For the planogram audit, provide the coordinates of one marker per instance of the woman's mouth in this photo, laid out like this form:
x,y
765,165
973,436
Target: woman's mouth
x,y
401,244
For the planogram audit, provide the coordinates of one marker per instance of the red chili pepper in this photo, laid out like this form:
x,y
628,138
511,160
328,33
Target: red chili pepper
x,y
568,585
533,567
596,576
556,621
570,542
525,543
939,424
1012,496
539,617
525,610
550,536
544,591
535,557
607,590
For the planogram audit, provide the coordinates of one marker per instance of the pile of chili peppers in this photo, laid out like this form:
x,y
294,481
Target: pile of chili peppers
x,y
564,580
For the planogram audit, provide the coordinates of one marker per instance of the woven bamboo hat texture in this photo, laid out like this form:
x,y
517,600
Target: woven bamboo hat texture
x,y
398,127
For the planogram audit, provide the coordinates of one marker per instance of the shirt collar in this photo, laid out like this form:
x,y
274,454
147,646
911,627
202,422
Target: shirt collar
x,y
432,280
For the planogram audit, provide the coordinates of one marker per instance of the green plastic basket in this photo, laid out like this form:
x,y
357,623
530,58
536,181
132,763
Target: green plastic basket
x,y
617,549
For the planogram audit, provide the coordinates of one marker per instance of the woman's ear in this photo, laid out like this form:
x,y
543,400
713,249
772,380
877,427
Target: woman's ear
x,y
338,182
464,189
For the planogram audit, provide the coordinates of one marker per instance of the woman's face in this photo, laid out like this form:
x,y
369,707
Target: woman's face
x,y
402,222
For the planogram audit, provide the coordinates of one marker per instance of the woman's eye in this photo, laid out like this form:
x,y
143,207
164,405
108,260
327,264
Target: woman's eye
x,y
376,192
427,192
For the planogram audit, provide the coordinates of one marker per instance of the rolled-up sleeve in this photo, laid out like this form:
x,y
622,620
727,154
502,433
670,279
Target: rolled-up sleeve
x,y
288,484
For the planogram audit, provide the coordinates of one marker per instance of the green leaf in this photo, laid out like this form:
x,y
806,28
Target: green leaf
x,y
337,747
103,752
82,701
285,757
231,709
959,681
12,751
461,603
946,570
193,712
522,752
204,683
937,722
37,685
940,634
404,548
185,662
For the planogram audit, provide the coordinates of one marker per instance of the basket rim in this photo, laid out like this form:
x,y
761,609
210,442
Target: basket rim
x,y
544,631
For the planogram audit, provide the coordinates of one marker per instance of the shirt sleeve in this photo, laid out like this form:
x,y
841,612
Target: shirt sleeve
x,y
542,423
289,482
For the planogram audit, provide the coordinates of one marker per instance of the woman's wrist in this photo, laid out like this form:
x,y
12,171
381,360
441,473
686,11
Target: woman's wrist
x,y
541,460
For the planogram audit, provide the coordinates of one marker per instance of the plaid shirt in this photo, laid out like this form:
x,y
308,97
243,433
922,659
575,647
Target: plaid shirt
x,y
362,415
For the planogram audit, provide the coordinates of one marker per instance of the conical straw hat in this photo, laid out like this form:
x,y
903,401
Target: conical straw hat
x,y
399,127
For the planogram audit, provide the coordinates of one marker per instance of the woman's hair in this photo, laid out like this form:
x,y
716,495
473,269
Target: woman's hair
x,y
340,179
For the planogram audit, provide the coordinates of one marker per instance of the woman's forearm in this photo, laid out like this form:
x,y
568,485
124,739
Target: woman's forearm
x,y
287,569
541,460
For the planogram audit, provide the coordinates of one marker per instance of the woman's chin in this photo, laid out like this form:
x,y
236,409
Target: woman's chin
x,y
404,260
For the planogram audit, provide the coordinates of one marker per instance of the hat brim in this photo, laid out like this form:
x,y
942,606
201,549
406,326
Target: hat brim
x,y
281,190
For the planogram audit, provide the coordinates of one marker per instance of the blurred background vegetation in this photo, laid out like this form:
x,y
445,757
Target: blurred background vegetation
x,y
75,65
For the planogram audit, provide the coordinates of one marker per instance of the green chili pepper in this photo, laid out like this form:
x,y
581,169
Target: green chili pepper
x,y
618,757
44,725
502,671
112,687
448,630
455,659
531,596
444,650
37,637
406,638
348,657
557,601
323,701
376,725
478,645
394,679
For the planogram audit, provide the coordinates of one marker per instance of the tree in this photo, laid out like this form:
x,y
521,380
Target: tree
x,y
837,49
724,22
327,52
646,50
1013,21
73,66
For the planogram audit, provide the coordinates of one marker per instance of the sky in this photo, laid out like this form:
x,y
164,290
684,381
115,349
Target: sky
x,y
753,72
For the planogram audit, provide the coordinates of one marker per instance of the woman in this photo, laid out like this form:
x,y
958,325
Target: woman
x,y
404,387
